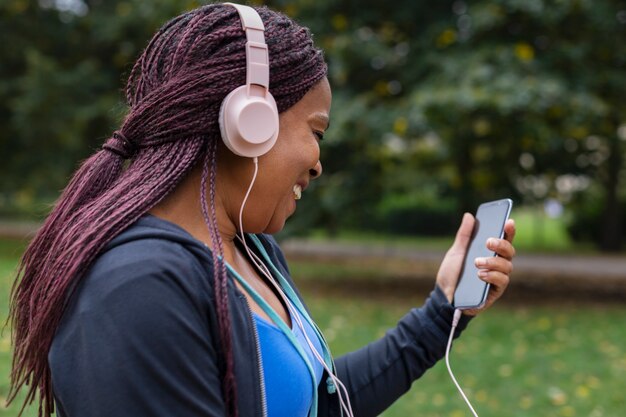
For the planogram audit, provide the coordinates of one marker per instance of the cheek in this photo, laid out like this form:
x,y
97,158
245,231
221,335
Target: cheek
x,y
273,190
272,210
290,163
305,157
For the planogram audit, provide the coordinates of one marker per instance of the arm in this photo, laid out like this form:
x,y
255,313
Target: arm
x,y
379,373
136,340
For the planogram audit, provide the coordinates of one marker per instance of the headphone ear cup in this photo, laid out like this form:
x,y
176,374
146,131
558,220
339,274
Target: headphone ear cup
x,y
248,123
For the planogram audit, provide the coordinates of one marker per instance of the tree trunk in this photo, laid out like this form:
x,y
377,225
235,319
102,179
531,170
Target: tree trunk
x,y
464,166
611,238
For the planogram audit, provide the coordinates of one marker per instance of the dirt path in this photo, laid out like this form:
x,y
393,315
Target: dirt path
x,y
555,277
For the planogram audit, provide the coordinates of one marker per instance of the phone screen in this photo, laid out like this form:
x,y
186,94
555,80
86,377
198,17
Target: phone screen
x,y
471,291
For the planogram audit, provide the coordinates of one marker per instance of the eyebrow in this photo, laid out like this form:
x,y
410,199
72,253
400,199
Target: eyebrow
x,y
323,118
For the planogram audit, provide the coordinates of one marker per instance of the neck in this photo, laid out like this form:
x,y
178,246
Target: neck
x,y
182,207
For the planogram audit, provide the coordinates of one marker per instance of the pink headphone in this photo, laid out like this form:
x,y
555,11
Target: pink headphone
x,y
248,115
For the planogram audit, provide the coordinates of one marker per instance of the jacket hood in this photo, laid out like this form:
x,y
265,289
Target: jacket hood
x,y
152,227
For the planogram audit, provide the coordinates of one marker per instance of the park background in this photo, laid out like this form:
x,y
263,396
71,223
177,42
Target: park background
x,y
437,107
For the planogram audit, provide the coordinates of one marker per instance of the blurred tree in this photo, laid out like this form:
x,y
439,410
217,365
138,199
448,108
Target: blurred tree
x,y
437,105
537,82
516,97
61,85
377,170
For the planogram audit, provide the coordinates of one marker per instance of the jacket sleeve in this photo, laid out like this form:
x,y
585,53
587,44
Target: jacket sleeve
x,y
136,340
379,373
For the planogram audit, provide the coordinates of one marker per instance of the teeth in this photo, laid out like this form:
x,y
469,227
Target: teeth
x,y
297,192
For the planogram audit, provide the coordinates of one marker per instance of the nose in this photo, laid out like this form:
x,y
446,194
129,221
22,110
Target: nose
x,y
316,171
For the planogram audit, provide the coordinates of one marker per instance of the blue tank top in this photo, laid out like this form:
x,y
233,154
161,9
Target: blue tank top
x,y
288,389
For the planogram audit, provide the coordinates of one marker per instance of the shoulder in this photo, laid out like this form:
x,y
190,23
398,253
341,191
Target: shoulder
x,y
147,268
148,259
142,313
148,255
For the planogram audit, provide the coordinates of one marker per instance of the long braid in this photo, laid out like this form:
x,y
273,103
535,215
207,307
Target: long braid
x,y
220,279
174,92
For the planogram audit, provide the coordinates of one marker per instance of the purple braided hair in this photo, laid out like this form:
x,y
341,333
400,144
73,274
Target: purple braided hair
x,y
174,92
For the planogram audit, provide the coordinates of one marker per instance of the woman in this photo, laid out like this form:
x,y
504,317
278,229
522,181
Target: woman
x,y
140,295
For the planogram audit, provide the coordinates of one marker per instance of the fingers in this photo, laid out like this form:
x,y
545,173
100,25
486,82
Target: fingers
x,y
509,230
464,234
502,247
496,270
498,280
495,263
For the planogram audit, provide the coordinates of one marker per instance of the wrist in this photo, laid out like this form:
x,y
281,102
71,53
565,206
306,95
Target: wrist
x,y
448,291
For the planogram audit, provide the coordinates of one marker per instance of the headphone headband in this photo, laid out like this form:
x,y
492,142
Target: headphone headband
x,y
257,56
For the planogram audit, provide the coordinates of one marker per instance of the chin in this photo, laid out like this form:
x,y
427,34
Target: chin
x,y
275,225
278,219
274,228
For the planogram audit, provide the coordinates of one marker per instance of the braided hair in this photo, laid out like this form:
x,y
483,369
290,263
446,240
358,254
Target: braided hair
x,y
174,92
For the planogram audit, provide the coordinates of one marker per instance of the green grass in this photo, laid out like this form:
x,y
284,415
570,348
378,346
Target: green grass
x,y
522,362
9,253
563,361
538,233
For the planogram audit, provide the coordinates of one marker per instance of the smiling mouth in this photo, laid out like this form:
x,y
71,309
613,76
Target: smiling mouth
x,y
297,192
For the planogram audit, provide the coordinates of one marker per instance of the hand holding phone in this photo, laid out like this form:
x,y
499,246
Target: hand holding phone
x,y
471,292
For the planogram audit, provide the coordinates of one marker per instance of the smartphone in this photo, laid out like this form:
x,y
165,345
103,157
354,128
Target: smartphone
x,y
471,291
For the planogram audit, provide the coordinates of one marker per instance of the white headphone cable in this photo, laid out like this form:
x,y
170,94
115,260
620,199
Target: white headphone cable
x,y
345,404
455,322
265,271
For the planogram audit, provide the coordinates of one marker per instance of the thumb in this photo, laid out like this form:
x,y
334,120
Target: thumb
x,y
464,234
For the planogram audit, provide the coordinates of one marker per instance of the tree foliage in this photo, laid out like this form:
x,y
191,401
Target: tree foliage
x,y
437,105
471,102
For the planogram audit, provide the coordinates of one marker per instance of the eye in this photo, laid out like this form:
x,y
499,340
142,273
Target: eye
x,y
320,135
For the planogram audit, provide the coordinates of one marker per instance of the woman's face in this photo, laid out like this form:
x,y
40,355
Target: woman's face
x,y
285,171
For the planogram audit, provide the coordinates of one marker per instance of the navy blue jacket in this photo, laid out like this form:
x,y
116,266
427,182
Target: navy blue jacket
x,y
139,337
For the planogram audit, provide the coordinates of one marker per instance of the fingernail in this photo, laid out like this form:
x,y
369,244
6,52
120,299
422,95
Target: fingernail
x,y
483,273
493,243
480,261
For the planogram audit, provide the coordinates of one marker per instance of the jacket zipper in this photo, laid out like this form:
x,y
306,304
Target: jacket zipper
x,y
257,346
